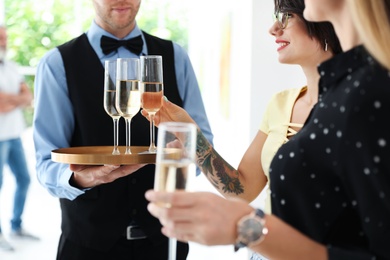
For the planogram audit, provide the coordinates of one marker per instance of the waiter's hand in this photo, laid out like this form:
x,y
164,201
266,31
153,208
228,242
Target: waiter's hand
x,y
87,176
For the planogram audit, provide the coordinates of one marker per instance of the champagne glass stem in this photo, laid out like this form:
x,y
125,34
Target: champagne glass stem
x,y
116,124
172,249
128,135
152,147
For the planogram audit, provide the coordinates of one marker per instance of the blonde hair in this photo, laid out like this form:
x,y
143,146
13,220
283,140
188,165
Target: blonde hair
x,y
371,18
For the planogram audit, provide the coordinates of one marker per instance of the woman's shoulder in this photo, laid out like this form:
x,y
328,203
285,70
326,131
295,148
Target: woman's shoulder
x,y
284,99
287,94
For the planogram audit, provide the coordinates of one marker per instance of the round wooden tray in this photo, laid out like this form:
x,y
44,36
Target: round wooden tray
x,y
99,155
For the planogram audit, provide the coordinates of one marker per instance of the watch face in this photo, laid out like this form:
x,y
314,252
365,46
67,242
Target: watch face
x,y
250,230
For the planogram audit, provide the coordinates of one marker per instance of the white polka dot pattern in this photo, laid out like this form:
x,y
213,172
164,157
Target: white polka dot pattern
x,y
331,181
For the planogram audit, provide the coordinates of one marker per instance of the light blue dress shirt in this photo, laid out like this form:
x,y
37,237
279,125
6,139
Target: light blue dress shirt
x,y
54,121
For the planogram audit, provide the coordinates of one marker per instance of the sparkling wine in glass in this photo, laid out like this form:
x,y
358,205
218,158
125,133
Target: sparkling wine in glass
x,y
127,92
109,98
175,162
152,90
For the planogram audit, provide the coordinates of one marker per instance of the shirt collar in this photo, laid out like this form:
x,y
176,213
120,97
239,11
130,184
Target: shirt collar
x,y
341,65
95,32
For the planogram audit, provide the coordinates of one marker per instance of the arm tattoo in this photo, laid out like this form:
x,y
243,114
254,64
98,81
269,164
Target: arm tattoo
x,y
221,174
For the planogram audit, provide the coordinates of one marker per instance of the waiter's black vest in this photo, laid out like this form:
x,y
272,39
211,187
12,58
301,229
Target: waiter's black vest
x,y
98,218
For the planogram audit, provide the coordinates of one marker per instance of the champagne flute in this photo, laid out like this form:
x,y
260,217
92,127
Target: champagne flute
x,y
109,98
175,162
127,93
151,90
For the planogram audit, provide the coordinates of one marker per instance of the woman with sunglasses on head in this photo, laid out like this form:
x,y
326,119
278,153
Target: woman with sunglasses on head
x,y
299,42
331,182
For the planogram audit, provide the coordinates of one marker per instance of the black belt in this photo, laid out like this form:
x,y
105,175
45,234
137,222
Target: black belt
x,y
134,232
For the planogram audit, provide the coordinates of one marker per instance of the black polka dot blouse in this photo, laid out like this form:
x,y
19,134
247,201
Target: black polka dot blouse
x,y
331,181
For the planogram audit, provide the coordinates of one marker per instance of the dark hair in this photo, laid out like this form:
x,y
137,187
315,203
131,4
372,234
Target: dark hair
x,y
323,31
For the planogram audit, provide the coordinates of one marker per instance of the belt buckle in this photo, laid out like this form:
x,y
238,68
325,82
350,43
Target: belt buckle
x,y
131,233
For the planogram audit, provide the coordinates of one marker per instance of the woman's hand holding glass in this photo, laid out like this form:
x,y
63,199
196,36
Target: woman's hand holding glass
x,y
175,161
169,112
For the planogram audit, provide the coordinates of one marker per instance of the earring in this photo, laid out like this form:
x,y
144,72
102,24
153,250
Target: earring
x,y
326,45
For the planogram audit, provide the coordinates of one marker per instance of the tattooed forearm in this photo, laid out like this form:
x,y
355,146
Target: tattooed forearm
x,y
230,184
221,175
203,152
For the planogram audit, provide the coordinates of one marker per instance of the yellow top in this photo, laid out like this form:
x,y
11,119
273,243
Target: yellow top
x,y
276,124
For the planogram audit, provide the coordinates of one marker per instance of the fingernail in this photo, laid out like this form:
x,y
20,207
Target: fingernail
x,y
166,99
148,194
113,166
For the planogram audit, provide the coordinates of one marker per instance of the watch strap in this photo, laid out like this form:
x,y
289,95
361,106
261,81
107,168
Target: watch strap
x,y
259,213
239,245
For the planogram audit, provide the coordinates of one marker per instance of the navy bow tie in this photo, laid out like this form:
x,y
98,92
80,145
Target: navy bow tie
x,y
109,45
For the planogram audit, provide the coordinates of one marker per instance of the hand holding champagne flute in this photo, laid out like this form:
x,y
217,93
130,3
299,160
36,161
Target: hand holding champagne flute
x,y
175,161
151,90
109,98
127,93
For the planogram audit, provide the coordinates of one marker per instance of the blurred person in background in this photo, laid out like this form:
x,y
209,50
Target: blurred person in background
x,y
14,96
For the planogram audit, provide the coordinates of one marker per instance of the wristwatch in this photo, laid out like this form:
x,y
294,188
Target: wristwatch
x,y
251,230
